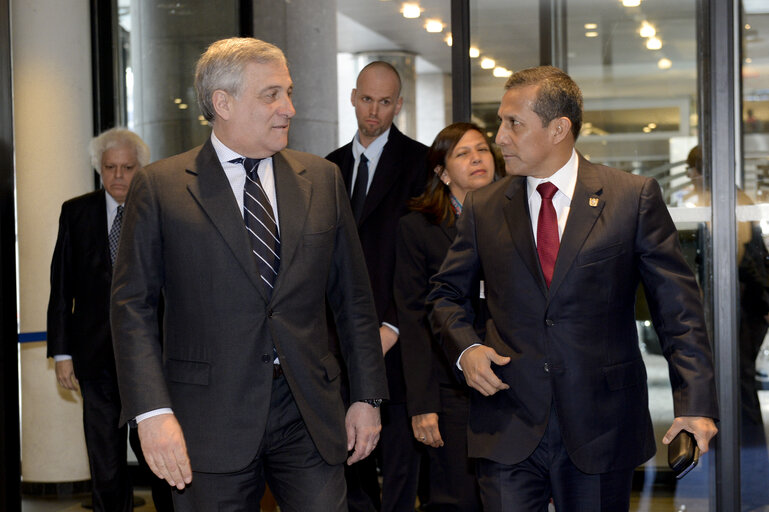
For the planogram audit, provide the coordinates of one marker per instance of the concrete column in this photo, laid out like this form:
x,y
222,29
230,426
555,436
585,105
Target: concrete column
x,y
51,46
405,63
306,32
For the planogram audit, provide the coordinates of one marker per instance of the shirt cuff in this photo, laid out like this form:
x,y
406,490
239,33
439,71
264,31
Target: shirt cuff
x,y
463,353
150,414
61,357
391,326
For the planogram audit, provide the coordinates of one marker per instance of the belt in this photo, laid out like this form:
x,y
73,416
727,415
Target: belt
x,y
277,371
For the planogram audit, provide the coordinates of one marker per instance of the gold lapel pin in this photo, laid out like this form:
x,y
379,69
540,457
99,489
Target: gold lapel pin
x,y
593,202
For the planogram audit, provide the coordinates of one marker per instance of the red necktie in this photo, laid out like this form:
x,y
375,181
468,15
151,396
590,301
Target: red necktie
x,y
547,231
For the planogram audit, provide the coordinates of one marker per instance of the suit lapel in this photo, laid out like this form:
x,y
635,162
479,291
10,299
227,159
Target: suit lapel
x,y
586,207
449,231
213,193
347,164
516,213
293,195
99,220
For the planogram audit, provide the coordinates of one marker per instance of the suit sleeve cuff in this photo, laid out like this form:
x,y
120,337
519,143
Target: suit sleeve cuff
x,y
61,357
391,326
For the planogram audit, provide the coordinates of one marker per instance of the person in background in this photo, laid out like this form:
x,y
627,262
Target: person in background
x,y
461,159
382,169
79,337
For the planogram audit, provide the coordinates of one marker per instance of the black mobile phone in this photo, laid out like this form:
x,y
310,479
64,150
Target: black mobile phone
x,y
683,453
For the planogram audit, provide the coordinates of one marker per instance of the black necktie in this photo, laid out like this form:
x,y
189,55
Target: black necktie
x,y
260,224
114,233
358,197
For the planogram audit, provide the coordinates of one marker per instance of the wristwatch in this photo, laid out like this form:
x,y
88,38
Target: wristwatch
x,y
373,402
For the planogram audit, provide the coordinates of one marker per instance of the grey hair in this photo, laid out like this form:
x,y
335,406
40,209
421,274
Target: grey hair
x,y
222,65
117,137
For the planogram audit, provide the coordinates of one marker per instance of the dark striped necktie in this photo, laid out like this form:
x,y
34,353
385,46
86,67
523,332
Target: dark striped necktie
x,y
260,224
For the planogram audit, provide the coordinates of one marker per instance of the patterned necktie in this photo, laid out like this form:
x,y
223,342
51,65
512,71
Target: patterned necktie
x,y
359,190
260,224
114,233
547,231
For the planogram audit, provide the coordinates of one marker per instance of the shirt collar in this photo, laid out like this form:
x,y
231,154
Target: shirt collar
x,y
374,150
112,203
564,178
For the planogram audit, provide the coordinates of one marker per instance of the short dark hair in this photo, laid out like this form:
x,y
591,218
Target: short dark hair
x,y
435,201
557,94
694,159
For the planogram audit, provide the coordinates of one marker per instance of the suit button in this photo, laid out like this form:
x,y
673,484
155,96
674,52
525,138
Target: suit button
x,y
266,358
549,323
547,368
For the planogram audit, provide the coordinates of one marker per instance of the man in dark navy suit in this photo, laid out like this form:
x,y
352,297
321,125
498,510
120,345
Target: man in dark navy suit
x,y
382,169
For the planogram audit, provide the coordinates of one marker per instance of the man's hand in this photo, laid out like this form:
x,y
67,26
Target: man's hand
x,y
65,374
476,365
703,429
389,338
165,450
425,427
363,426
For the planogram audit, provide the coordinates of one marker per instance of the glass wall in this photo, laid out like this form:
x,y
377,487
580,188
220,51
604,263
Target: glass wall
x,y
753,258
159,44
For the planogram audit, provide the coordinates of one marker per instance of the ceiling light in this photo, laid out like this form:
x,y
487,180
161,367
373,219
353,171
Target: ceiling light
x,y
182,106
653,43
591,26
647,30
449,40
434,26
591,34
631,3
411,10
474,52
747,26
664,63
652,125
501,72
646,129
177,100
748,60
487,63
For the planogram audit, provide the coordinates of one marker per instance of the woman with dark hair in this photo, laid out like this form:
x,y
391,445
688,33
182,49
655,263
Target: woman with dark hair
x,y
461,159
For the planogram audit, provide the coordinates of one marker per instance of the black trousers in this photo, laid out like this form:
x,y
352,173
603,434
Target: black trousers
x,y
287,460
548,472
107,447
453,483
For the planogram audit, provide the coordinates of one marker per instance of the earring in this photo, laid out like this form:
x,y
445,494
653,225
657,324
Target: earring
x,y
447,182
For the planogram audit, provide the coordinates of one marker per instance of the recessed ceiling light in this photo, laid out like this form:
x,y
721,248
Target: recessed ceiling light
x,y
591,34
411,10
653,43
748,60
664,63
631,3
434,26
487,63
652,125
647,30
501,72
646,129
474,52
449,40
591,26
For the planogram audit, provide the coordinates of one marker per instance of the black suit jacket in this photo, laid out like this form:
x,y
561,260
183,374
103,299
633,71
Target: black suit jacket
x,y
420,250
575,345
400,175
81,276
184,234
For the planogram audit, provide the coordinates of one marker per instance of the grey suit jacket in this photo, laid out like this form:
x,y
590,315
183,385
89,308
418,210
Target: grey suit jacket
x,y
575,345
183,236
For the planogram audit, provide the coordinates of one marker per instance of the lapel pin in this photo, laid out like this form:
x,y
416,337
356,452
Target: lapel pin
x,y
593,202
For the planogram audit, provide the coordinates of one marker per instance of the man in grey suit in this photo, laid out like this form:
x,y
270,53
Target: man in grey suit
x,y
246,240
